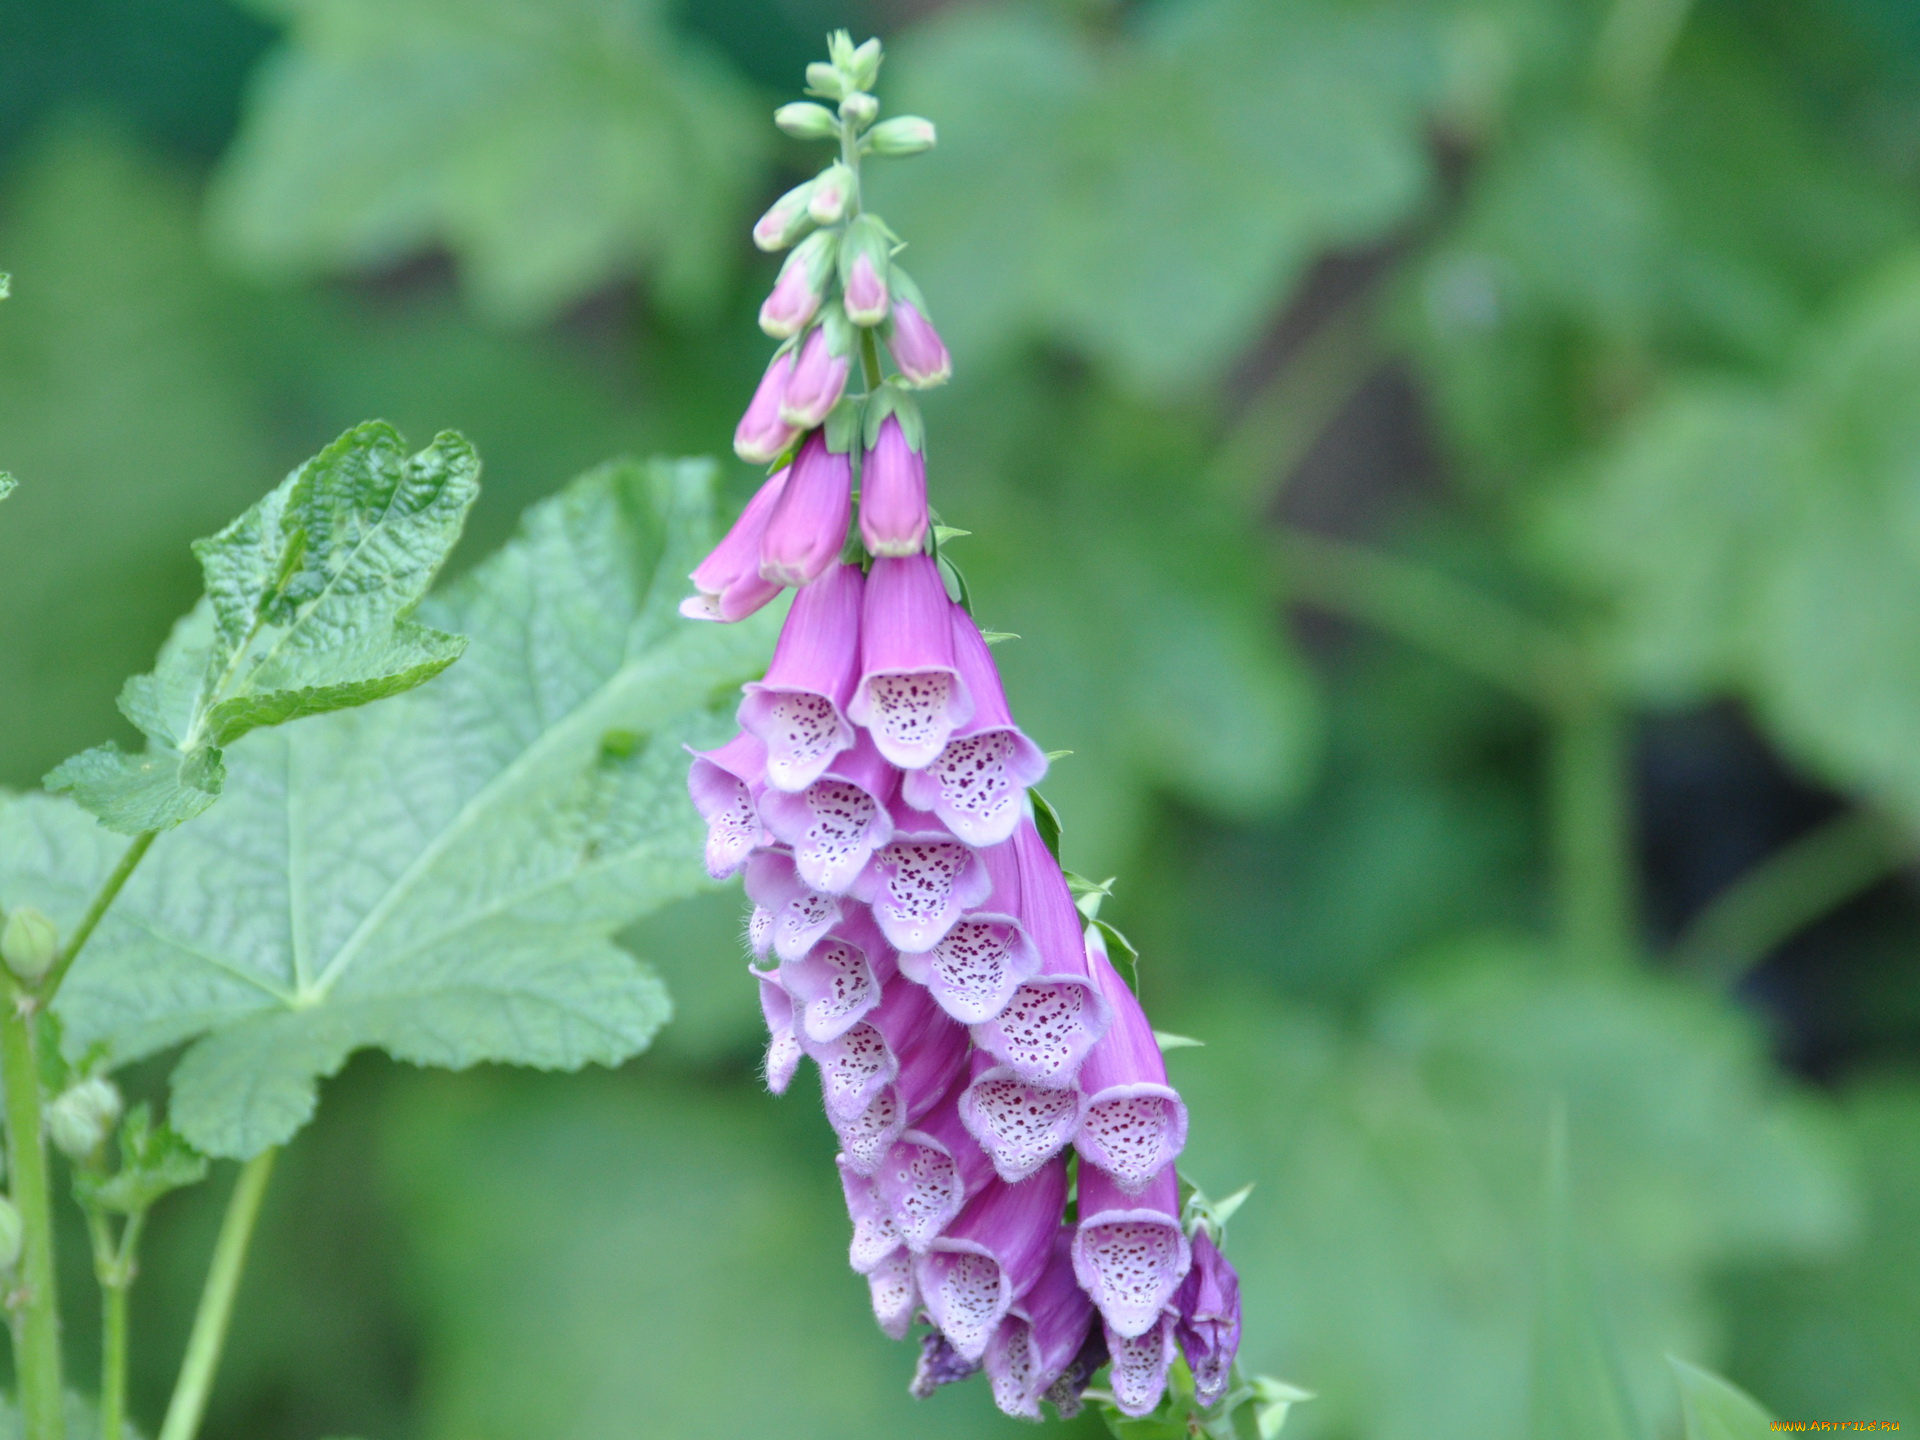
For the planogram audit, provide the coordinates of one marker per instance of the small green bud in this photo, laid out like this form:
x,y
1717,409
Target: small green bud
x,y
832,195
902,135
825,81
863,65
859,108
80,1117
806,121
10,1235
30,943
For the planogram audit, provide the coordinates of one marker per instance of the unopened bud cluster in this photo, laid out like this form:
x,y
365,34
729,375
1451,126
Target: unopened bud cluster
x,y
980,1058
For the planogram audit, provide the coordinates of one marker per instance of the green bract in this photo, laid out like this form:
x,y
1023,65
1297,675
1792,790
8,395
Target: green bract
x,y
308,599
438,875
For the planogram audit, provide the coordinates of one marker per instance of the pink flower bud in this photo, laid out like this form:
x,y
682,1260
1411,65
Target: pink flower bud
x,y
796,294
762,436
1134,1124
727,583
865,294
818,378
893,494
808,524
917,347
831,195
786,220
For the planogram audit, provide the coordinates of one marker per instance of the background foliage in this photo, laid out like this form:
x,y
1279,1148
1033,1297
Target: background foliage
x,y
1378,418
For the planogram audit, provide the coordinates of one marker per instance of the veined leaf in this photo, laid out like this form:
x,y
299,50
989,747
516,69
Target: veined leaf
x,y
439,875
308,598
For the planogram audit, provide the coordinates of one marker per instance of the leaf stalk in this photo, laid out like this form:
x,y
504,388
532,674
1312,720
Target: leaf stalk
x,y
215,1313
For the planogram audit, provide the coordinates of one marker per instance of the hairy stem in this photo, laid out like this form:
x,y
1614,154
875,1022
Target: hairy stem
x,y
210,1321
1591,828
36,1305
1788,891
109,890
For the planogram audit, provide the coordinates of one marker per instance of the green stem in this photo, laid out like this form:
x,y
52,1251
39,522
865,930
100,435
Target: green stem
x,y
1430,610
83,932
1592,830
1788,891
36,1307
114,1266
210,1321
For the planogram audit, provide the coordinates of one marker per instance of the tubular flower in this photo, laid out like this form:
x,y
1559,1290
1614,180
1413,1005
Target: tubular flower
x,y
917,347
978,782
819,376
799,709
990,1256
808,523
1134,1124
980,1058
910,693
893,495
762,436
727,584
1041,1336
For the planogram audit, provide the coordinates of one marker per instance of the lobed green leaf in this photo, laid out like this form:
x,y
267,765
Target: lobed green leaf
x,y
439,875
306,612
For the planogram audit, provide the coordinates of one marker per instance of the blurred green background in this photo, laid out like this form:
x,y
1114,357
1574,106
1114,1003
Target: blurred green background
x,y
1456,469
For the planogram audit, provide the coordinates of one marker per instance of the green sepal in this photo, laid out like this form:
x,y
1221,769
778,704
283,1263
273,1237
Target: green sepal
x,y
996,637
1087,894
7,484
1167,1040
1121,954
843,338
843,424
891,399
154,1161
1047,821
900,285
